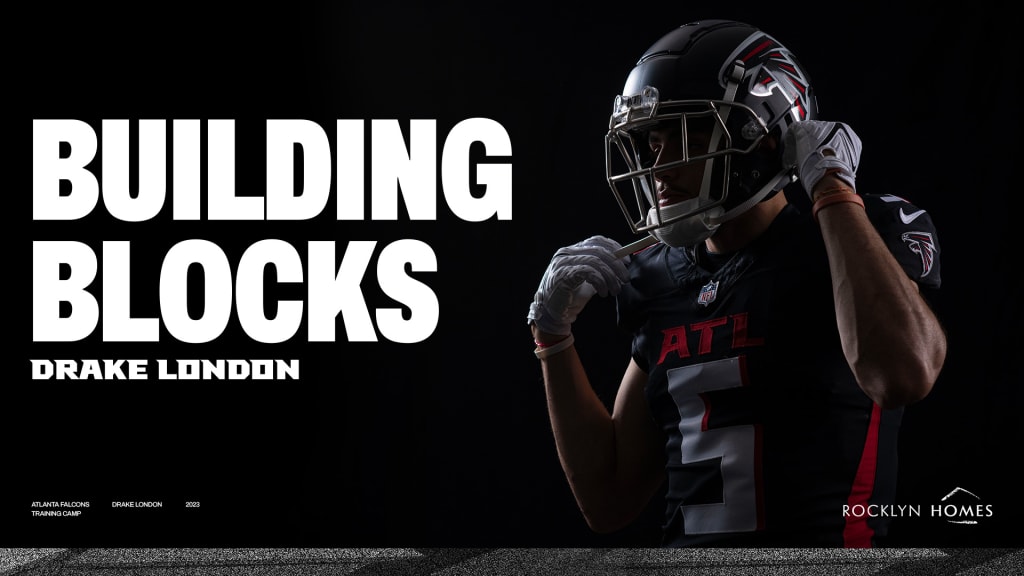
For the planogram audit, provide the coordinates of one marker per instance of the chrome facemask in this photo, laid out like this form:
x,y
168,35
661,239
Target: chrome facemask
x,y
631,173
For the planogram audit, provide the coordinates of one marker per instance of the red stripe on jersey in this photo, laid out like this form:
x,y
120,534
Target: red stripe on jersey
x,y
707,411
857,533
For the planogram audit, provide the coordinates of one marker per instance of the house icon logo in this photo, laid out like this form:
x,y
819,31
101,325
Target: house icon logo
x,y
961,506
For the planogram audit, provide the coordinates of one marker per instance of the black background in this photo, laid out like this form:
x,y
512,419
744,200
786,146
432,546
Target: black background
x,y
446,443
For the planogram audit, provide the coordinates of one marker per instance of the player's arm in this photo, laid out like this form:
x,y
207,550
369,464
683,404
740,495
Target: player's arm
x,y
611,460
890,336
614,462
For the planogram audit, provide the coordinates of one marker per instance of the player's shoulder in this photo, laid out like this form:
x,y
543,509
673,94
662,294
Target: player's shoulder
x,y
648,267
645,256
654,273
891,211
910,234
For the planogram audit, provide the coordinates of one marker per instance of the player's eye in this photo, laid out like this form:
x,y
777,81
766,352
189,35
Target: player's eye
x,y
697,146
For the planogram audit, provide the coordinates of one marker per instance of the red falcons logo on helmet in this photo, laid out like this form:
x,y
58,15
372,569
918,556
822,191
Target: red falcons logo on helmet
x,y
774,68
921,243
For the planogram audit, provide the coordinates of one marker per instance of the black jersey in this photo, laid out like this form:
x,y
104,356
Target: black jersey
x,y
770,440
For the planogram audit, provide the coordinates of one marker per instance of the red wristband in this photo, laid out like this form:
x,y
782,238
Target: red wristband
x,y
545,345
831,199
543,351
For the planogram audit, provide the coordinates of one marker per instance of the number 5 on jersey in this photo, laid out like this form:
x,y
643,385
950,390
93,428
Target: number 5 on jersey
x,y
736,446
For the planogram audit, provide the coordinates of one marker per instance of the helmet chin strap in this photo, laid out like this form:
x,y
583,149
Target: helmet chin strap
x,y
775,184
686,231
698,227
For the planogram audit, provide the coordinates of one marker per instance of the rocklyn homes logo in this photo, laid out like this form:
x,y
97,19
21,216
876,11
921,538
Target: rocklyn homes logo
x,y
960,506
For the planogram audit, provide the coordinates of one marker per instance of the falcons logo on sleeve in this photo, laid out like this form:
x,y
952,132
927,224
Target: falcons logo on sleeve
x,y
921,243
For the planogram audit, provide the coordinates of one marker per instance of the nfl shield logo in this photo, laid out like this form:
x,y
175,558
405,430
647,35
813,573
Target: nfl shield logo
x,y
708,293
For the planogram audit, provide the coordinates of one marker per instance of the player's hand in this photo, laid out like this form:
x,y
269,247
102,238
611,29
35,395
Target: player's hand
x,y
574,275
815,147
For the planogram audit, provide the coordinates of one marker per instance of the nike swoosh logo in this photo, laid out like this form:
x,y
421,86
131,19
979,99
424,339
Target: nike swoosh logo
x,y
908,218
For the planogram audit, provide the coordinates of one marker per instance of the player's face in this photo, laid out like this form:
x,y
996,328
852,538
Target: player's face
x,y
677,183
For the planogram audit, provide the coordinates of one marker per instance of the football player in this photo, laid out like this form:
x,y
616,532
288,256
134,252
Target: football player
x,y
774,341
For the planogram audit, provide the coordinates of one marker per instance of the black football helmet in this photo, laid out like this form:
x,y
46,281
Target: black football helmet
x,y
736,86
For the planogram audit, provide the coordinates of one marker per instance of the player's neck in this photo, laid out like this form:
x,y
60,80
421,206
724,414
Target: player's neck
x,y
740,231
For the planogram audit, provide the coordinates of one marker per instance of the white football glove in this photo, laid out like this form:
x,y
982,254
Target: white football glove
x,y
814,147
574,275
